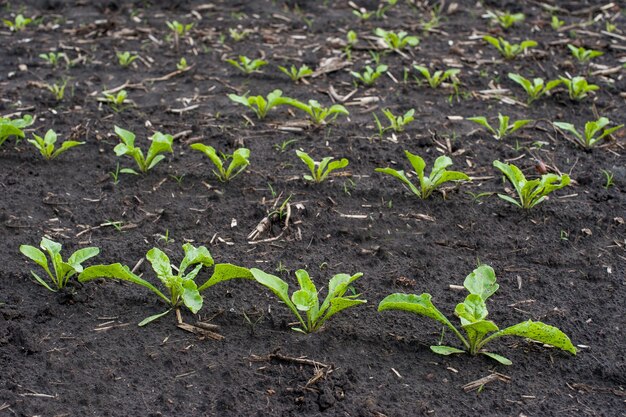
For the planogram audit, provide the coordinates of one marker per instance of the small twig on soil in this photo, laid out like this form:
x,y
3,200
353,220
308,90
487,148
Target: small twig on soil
x,y
474,385
277,356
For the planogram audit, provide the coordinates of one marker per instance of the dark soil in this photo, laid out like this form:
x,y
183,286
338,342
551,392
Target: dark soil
x,y
80,352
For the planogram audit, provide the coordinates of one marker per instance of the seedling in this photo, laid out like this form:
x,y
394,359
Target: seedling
x,y
535,89
179,29
296,74
284,145
320,170
556,23
125,58
19,24
160,144
593,132
259,104
438,176
383,9
438,77
57,89
239,160
362,14
582,54
54,58
238,35
578,87
115,101
396,123
63,271
505,19
530,193
369,76
182,64
608,179
181,287
351,40
247,65
306,298
472,312
504,128
13,127
115,175
45,145
396,41
318,114
509,50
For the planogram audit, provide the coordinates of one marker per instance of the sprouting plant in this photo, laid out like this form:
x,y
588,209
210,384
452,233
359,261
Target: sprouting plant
x,y
396,123
45,145
530,193
384,8
582,54
369,75
247,65
306,298
438,176
320,169
179,29
434,21
180,286
535,89
509,50
63,271
160,144
504,128
296,74
594,131
125,58
57,89
259,104
239,160
351,40
438,77
115,175
610,27
18,24
505,19
396,41
578,87
284,145
608,178
13,127
318,114
115,101
54,58
362,13
182,64
238,35
481,284
556,23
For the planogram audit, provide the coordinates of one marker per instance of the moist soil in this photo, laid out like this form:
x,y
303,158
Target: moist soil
x,y
79,352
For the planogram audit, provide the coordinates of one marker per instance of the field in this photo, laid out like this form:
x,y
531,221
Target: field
x,y
80,352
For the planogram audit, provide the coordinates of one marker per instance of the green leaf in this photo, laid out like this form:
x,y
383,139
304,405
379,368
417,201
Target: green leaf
x,y
153,318
193,255
160,263
402,177
499,358
68,144
128,171
304,300
127,137
211,153
41,281
537,331
35,255
81,256
417,304
226,272
160,144
334,165
336,305
482,282
483,122
191,296
445,350
473,309
279,287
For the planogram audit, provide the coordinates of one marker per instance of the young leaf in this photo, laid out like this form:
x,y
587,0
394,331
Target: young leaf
x,y
482,282
537,331
445,350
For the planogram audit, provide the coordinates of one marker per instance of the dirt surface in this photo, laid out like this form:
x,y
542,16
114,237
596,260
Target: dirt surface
x,y
80,352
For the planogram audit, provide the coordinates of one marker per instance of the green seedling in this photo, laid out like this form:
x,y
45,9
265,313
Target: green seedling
x,y
160,144
320,170
115,101
306,298
481,284
179,29
318,114
594,131
182,64
556,23
578,87
125,58
181,287
284,145
505,19
351,40
238,35
535,88
396,41
530,193
13,127
296,74
509,50
582,54
259,104
19,24
504,128
369,76
396,123
438,176
247,65
384,8
45,145
63,271
438,77
54,58
239,161
363,14
608,179
57,89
